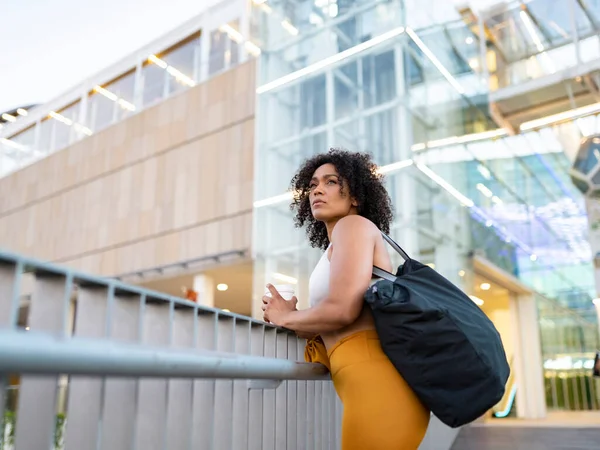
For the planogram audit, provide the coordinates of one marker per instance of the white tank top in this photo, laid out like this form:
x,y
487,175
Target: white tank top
x,y
318,284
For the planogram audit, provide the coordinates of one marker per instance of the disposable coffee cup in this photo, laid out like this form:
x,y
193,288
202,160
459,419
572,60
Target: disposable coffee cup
x,y
285,290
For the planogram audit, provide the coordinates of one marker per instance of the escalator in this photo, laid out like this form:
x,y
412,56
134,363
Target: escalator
x,y
505,407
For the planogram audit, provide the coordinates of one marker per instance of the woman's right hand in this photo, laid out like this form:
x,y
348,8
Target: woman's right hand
x,y
300,334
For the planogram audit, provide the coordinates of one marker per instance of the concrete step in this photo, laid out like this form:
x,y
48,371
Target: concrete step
x,y
527,438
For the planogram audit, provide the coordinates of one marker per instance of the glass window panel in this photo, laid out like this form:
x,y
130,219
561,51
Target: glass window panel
x,y
101,112
64,131
466,43
567,336
593,8
224,52
8,159
507,28
20,149
155,78
234,47
285,112
124,89
413,70
420,129
554,19
45,144
381,131
347,136
26,139
429,72
312,145
183,57
218,48
379,78
279,164
327,38
347,34
442,46
425,194
112,101
346,90
313,104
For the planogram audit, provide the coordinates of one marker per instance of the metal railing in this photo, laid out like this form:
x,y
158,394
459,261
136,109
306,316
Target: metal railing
x,y
151,371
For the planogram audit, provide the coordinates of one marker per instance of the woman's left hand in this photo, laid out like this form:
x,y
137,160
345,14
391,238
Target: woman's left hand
x,y
276,308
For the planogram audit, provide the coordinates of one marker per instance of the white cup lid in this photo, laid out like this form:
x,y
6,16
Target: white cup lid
x,y
288,288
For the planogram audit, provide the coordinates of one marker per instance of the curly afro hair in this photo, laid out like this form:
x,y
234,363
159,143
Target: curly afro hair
x,y
363,181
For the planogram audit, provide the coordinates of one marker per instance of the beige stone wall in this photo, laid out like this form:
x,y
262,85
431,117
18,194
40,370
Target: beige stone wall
x,y
171,183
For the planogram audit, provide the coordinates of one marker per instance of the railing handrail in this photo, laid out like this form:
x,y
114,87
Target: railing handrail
x,y
26,264
45,354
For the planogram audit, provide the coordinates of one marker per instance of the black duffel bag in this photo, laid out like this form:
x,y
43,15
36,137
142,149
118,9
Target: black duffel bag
x,y
442,344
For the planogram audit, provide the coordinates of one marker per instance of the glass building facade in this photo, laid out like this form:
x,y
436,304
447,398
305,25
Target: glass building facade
x,y
369,76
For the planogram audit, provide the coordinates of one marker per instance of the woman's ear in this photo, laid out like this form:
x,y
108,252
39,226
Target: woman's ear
x,y
354,202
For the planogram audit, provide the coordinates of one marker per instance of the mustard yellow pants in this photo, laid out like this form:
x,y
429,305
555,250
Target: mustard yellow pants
x,y
381,412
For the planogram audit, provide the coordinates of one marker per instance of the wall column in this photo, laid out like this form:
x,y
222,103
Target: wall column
x,y
204,286
528,363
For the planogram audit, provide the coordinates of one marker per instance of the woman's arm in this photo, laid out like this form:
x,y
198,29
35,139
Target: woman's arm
x,y
305,335
353,240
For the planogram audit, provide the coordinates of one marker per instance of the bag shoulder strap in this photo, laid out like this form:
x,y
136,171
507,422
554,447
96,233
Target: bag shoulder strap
x,y
378,271
395,246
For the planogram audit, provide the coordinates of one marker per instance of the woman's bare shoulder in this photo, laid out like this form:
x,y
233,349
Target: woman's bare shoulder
x,y
351,226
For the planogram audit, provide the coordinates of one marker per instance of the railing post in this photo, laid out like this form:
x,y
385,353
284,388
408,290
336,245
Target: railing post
x,y
301,410
292,395
318,415
241,393
9,306
281,394
255,397
204,390
83,419
223,412
120,394
151,414
10,276
36,411
311,417
269,403
179,409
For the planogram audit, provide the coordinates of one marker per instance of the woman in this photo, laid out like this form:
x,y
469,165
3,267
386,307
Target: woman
x,y
342,201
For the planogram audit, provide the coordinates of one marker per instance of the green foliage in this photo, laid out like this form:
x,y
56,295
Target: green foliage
x,y
59,431
10,420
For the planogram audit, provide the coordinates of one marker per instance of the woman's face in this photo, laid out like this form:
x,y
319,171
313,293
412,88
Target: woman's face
x,y
326,199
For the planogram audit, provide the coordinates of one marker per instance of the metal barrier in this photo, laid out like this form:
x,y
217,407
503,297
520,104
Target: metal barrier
x,y
150,371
